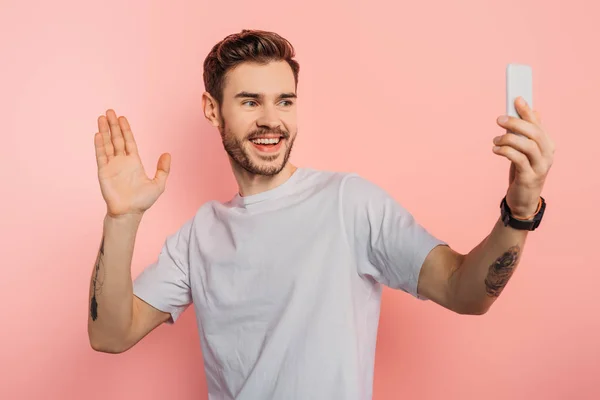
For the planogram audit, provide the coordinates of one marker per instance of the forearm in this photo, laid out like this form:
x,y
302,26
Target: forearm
x,y
487,268
110,311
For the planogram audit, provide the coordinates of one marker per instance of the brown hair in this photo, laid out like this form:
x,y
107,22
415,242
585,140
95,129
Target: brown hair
x,y
247,46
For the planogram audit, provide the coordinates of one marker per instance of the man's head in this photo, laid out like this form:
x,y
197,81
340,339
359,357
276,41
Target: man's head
x,y
251,81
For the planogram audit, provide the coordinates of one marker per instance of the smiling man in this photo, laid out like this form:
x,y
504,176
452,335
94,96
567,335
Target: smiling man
x,y
286,277
254,108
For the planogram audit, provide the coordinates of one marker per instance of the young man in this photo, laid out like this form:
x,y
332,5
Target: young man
x,y
286,278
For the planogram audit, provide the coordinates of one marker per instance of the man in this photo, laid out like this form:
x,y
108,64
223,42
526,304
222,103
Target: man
x,y
286,278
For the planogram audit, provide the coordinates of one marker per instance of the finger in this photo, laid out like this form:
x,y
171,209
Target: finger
x,y
549,146
523,145
163,168
105,132
115,133
519,159
529,114
531,131
525,111
520,126
101,158
130,145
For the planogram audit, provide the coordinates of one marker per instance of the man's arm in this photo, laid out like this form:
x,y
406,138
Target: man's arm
x,y
469,284
117,319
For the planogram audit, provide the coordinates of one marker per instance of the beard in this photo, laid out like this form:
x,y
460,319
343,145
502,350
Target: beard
x,y
239,151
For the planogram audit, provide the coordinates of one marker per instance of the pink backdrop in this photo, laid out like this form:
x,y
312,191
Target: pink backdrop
x,y
405,93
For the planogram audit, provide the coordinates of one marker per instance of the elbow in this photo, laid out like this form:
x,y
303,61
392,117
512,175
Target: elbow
x,y
479,311
476,309
104,348
107,342
469,306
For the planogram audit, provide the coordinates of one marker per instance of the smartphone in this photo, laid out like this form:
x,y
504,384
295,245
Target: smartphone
x,y
519,82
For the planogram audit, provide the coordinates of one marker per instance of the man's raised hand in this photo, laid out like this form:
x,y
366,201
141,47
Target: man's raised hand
x,y
126,188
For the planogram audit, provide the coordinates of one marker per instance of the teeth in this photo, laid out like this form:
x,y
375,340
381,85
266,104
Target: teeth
x,y
266,141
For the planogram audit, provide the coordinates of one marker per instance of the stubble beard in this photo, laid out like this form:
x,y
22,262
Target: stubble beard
x,y
239,152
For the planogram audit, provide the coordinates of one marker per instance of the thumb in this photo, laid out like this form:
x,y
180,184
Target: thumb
x,y
162,170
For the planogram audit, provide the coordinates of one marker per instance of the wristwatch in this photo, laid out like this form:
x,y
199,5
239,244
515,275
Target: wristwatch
x,y
526,225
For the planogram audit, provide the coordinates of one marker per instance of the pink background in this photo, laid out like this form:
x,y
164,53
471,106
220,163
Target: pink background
x,y
405,93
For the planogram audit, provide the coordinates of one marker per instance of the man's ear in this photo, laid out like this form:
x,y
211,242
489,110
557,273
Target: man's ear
x,y
211,109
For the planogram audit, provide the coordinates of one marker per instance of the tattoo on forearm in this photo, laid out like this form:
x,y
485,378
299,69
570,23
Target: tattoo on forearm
x,y
501,271
97,283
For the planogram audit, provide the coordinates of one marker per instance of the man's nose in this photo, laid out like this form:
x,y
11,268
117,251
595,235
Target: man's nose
x,y
269,118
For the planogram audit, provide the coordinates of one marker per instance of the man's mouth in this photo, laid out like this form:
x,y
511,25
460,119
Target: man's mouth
x,y
267,141
268,144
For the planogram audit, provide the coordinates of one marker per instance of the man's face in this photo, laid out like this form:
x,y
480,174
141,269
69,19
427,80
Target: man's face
x,y
258,116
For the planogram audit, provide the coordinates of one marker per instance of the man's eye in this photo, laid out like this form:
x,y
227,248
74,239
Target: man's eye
x,y
289,103
248,101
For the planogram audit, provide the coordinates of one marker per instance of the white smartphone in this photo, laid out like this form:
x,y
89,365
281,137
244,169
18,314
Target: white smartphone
x,y
519,82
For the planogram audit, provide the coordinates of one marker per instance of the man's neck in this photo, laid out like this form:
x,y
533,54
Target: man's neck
x,y
251,184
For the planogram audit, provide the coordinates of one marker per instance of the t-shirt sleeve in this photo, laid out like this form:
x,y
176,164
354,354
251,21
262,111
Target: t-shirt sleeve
x,y
165,284
389,244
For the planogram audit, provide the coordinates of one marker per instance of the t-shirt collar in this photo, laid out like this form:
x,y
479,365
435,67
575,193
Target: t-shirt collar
x,y
278,191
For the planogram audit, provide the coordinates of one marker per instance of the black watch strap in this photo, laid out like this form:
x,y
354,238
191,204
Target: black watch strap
x,y
527,225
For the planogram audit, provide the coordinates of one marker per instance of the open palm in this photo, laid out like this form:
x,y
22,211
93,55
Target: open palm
x,y
123,182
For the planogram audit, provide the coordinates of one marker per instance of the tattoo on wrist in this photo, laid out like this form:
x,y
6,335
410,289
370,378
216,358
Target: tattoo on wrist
x,y
501,270
97,283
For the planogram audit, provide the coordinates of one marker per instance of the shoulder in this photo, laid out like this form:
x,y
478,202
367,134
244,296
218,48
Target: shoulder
x,y
198,218
348,183
358,191
352,189
319,177
354,193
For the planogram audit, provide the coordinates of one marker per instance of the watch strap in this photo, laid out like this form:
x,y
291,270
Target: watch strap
x,y
530,224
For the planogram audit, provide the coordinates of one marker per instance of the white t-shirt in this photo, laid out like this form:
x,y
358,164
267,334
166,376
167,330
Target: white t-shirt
x,y
286,285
